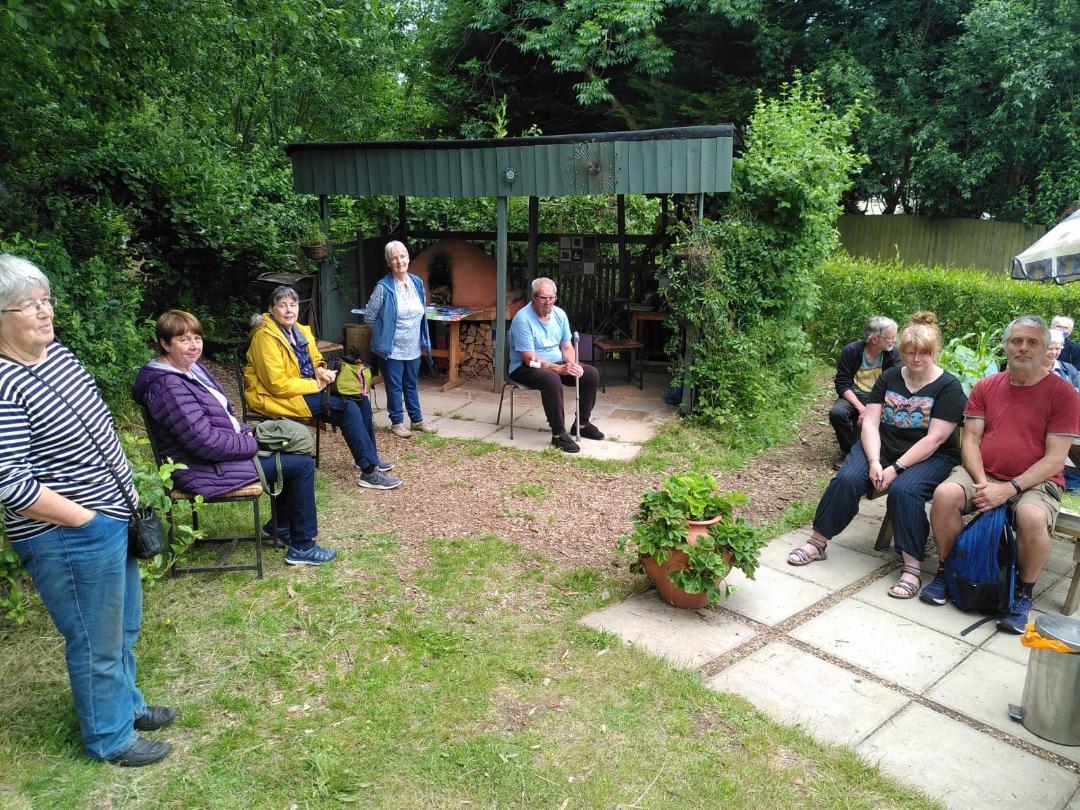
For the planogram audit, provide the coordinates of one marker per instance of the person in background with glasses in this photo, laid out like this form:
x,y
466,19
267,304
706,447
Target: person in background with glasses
x,y
858,368
542,356
67,520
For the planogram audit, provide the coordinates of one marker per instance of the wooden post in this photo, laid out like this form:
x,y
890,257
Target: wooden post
x,y
624,258
500,293
403,224
534,227
325,279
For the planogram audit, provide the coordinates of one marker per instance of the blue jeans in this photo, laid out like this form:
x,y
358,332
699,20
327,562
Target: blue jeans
x,y
906,500
400,378
92,591
354,419
296,518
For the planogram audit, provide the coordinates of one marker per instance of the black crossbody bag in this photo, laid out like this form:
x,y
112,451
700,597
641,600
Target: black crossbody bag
x,y
146,534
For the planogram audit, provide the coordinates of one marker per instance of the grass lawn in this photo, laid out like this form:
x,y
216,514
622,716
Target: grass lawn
x,y
466,683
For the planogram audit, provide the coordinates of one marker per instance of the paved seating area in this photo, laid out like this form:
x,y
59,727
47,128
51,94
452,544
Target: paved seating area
x,y
824,647
627,415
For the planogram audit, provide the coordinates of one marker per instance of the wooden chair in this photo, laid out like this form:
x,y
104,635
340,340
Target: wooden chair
x,y
251,493
251,416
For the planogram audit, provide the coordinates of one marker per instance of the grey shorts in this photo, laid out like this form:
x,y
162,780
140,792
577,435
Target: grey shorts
x,y
1046,495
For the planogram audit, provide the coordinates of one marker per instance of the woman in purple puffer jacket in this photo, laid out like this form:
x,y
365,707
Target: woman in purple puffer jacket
x,y
193,424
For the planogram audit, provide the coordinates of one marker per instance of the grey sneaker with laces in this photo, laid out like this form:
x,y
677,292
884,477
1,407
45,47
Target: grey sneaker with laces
x,y
377,479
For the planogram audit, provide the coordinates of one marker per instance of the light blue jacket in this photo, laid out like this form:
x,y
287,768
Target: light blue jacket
x,y
385,323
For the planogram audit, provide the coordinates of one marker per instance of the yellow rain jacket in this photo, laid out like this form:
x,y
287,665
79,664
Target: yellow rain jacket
x,y
272,382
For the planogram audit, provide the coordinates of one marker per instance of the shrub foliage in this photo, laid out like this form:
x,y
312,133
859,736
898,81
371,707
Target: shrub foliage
x,y
965,301
744,285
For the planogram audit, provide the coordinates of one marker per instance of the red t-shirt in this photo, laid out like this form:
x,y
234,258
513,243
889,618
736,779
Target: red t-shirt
x,y
1017,419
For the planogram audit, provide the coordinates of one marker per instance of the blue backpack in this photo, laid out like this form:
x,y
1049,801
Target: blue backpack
x,y
980,571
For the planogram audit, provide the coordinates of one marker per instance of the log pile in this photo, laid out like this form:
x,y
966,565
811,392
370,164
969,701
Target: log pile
x,y
477,349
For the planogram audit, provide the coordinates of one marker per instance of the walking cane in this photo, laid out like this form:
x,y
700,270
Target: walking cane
x,y
577,393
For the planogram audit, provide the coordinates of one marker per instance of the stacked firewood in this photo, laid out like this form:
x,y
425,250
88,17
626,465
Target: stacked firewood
x,y
477,349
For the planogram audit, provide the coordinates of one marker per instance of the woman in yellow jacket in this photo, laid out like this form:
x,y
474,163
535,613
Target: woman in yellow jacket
x,y
286,374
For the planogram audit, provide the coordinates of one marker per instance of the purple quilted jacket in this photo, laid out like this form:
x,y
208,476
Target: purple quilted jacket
x,y
190,426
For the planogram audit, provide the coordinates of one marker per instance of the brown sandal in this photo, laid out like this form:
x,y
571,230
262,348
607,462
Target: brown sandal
x,y
905,589
800,556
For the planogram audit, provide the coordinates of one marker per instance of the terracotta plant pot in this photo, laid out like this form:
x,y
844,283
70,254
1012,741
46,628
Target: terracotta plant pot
x,y
677,561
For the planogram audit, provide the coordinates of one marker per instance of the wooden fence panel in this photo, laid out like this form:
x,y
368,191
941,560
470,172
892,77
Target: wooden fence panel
x,y
953,242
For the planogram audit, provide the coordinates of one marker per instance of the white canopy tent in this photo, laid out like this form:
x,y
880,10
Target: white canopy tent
x,y
1056,256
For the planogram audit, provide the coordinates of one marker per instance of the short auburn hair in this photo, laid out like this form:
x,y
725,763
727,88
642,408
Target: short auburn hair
x,y
173,323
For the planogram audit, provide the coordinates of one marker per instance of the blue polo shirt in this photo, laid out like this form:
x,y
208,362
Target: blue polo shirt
x,y
530,334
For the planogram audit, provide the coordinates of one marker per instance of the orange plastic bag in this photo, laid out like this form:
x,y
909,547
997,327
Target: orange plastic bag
x,y
1033,639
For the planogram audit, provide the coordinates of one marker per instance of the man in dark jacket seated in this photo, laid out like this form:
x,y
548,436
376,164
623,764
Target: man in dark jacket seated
x,y
1070,350
857,370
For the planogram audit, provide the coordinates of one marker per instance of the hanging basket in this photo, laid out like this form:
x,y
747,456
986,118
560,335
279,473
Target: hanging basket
x,y
315,251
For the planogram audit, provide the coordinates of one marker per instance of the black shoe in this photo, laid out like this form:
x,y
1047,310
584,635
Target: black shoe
x,y
143,752
155,717
591,431
565,443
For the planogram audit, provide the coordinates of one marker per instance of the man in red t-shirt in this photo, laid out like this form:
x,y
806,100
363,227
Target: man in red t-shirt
x,y
1018,428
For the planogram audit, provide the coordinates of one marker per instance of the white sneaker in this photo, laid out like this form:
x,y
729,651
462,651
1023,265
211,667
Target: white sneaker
x,y
420,427
398,429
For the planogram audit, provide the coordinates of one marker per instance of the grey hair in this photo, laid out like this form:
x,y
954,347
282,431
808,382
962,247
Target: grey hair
x,y
534,288
876,326
18,279
1027,320
284,291
1056,336
391,246
1064,319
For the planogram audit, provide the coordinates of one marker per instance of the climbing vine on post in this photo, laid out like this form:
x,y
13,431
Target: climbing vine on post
x,y
744,283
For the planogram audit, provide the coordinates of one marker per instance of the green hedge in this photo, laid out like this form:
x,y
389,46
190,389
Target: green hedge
x,y
852,290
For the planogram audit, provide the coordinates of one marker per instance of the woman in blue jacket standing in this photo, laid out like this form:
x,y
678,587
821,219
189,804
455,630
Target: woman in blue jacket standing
x,y
399,333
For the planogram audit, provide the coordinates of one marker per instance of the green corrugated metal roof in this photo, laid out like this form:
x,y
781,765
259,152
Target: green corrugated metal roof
x,y
683,160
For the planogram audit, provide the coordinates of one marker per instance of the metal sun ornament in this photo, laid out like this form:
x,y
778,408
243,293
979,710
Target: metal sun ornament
x,y
590,167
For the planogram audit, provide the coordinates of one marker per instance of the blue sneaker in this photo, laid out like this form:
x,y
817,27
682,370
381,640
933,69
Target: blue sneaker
x,y
316,555
377,479
934,592
1016,622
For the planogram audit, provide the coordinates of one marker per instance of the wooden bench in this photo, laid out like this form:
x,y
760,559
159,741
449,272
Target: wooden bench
x,y
1068,523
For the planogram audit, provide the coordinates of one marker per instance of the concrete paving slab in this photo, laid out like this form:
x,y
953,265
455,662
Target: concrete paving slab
x,y
625,430
440,404
982,687
944,618
1007,646
463,429
686,638
842,567
1050,593
974,770
890,646
1060,560
873,508
860,535
772,596
524,439
480,412
778,677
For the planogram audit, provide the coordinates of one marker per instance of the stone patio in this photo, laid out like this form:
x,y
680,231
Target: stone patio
x,y
627,416
894,679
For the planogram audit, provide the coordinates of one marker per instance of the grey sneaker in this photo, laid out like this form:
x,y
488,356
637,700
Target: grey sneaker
x,y
377,479
420,427
382,465
398,429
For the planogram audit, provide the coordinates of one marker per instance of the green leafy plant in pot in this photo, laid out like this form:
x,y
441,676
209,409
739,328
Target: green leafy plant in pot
x,y
313,241
688,541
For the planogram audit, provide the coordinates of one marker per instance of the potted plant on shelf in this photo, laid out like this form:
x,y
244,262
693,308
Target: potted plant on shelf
x,y
313,242
688,541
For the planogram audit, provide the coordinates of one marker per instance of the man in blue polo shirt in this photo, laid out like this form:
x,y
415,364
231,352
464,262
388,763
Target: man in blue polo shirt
x,y
542,356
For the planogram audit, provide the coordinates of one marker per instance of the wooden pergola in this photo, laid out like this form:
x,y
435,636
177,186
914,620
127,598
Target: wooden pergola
x,y
683,160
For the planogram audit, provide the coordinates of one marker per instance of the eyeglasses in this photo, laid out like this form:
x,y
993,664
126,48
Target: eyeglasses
x,y
545,298
31,308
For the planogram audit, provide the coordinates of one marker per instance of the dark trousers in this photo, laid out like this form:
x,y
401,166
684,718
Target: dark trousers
x,y
550,385
845,422
906,499
354,419
296,517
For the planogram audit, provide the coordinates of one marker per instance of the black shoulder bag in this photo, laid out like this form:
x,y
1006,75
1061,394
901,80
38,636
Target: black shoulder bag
x,y
146,534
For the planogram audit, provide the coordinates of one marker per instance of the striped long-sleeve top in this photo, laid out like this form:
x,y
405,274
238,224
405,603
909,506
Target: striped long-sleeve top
x,y
43,444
